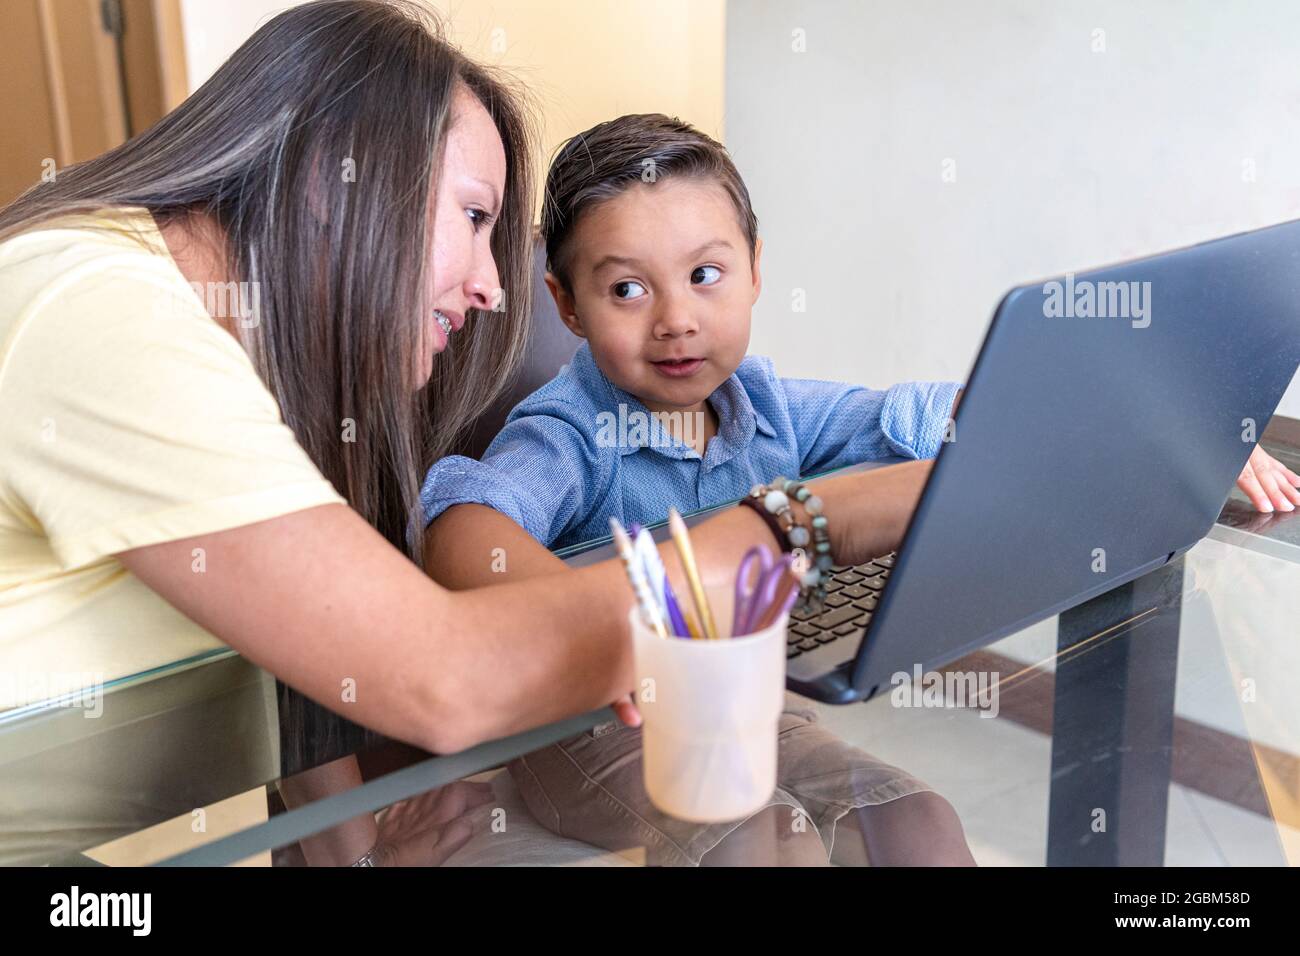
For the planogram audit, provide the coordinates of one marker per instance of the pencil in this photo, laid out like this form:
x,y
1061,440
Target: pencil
x,y
687,555
656,578
649,606
692,629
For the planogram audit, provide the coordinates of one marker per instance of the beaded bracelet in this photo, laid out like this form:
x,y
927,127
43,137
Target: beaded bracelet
x,y
772,502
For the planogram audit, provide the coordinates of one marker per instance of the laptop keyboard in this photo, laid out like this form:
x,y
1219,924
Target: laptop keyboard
x,y
851,597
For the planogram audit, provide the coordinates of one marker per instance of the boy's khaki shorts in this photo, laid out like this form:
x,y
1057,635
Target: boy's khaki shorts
x,y
590,788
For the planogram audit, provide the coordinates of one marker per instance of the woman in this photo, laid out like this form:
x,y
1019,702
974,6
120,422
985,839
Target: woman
x,y
179,474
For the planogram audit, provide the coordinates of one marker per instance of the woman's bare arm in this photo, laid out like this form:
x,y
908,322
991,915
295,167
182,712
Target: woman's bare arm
x,y
319,599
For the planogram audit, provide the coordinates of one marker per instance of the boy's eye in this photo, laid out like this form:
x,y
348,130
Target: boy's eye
x,y
628,289
706,275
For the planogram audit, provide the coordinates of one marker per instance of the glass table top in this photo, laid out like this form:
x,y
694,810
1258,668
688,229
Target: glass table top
x,y
1157,724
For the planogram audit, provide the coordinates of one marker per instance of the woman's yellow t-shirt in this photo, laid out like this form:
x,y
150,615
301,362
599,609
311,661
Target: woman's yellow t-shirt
x,y
128,417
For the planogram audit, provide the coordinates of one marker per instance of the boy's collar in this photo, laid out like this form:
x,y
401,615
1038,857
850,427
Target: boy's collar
x,y
738,420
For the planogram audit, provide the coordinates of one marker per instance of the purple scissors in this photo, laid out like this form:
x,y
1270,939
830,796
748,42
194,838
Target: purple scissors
x,y
753,600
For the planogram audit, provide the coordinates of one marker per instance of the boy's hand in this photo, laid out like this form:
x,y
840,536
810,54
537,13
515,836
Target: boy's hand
x,y
1269,484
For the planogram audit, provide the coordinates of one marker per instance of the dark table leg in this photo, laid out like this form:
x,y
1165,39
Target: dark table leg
x,y
1113,724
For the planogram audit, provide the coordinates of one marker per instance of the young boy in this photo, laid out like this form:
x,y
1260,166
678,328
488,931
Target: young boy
x,y
660,406
653,258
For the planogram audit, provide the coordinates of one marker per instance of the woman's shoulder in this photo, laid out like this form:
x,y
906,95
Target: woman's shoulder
x,y
113,251
88,272
113,353
83,235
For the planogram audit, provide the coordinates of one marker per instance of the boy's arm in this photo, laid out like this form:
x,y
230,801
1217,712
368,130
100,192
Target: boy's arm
x,y
837,424
473,545
541,472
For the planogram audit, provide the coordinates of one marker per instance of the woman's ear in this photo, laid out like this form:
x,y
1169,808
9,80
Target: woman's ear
x,y
757,272
565,305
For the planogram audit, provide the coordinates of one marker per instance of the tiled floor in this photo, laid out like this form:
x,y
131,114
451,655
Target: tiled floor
x,y
996,774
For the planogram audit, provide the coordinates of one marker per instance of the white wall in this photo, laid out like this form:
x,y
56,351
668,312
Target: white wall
x,y
1064,157
214,29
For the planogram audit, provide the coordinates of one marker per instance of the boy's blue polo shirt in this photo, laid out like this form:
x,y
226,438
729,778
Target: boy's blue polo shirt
x,y
580,450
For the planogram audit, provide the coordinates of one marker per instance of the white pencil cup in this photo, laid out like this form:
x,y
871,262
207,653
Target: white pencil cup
x,y
711,711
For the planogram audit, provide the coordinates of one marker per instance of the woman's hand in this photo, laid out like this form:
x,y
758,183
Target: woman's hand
x,y
427,829
1269,484
625,709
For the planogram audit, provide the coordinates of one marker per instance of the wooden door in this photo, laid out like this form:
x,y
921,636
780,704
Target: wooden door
x,y
82,76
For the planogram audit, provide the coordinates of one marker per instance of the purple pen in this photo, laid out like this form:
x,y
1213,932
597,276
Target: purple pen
x,y
675,612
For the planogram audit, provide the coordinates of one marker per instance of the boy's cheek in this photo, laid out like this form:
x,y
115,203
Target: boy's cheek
x,y
738,339
623,359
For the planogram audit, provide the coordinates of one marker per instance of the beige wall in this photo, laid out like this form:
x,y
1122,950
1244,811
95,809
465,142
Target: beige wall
x,y
592,60
583,61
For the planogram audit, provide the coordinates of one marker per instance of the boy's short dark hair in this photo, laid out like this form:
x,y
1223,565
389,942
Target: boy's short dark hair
x,y
595,166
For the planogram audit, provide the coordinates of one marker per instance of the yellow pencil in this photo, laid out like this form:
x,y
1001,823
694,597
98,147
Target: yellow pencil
x,y
691,627
683,542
